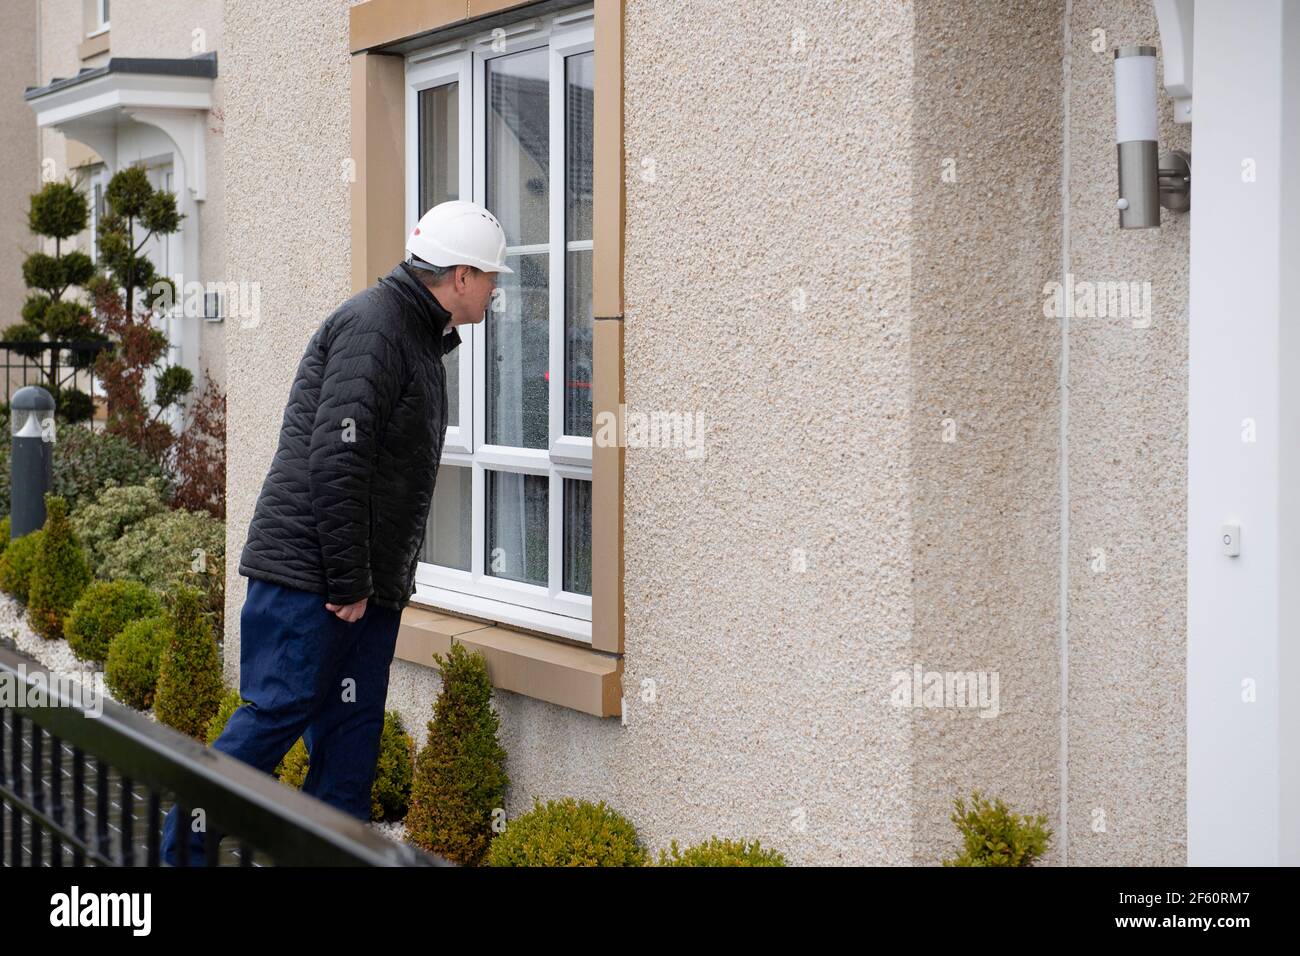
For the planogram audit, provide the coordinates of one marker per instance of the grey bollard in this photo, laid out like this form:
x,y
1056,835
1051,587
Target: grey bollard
x,y
32,462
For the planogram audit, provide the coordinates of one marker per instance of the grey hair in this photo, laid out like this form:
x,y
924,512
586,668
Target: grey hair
x,y
435,274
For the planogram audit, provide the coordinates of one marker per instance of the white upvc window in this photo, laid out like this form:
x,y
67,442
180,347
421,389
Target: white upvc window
x,y
101,17
98,183
505,119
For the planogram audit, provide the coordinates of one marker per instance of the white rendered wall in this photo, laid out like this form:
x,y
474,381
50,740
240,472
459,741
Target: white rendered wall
x,y
1243,613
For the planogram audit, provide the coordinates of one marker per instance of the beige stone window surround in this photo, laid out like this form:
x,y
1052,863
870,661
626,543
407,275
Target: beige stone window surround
x,y
95,35
585,677
93,45
95,17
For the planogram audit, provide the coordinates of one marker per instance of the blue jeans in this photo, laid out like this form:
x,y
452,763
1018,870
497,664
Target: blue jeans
x,y
294,657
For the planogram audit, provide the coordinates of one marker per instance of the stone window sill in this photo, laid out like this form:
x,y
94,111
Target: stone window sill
x,y
543,668
93,45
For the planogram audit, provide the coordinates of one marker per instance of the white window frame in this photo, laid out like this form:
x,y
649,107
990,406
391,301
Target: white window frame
x,y
101,18
548,609
449,64
98,180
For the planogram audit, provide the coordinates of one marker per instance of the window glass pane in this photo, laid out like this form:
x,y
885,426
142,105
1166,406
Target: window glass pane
x,y
577,536
518,349
577,343
451,362
446,533
439,119
96,217
439,181
517,517
580,78
579,84
518,145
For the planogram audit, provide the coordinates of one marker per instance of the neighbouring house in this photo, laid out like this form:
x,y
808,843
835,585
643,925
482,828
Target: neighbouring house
x,y
19,151
832,451
109,85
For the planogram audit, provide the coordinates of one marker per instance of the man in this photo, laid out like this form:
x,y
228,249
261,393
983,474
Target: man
x,y
338,527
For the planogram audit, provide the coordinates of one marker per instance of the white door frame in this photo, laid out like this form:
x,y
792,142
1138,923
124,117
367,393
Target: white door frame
x,y
1243,612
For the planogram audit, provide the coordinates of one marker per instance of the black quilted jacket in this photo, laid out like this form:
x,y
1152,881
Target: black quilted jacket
x,y
343,508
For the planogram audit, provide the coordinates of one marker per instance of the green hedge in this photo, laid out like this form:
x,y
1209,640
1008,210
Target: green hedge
x,y
171,549
85,462
105,518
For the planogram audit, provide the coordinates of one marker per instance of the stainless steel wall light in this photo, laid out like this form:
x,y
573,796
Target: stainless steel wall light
x,y
1147,178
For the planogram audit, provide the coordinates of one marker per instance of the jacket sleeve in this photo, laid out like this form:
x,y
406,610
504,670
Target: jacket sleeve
x,y
450,340
360,385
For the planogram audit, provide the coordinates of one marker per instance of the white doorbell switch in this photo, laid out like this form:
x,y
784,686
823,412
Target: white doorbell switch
x,y
1231,538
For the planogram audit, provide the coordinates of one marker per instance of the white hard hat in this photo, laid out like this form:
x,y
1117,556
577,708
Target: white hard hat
x,y
460,232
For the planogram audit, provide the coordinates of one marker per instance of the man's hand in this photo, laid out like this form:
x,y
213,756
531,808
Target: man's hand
x,y
349,612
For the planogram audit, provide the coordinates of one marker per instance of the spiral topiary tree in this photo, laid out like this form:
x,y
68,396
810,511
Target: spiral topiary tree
x,y
136,213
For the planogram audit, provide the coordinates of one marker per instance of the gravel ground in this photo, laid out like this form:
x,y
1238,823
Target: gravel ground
x,y
56,656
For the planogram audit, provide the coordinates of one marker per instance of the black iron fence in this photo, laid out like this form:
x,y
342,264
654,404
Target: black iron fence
x,y
55,366
84,784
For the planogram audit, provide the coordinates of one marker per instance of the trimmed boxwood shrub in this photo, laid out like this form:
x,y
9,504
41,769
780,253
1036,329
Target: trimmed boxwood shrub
x,y
391,793
100,522
134,657
230,702
17,562
173,548
719,852
60,573
102,611
292,770
189,674
460,777
993,836
5,531
568,832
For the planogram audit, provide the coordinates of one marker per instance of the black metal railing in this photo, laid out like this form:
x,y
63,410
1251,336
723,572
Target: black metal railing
x,y
83,786
52,365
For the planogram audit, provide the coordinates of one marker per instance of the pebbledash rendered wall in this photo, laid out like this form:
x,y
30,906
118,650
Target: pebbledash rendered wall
x,y
994,86
1128,487
841,219
18,150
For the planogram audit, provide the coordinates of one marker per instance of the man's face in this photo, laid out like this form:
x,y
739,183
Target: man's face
x,y
481,286
469,294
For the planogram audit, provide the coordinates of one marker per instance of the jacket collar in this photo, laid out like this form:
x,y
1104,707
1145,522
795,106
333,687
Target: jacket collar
x,y
404,281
